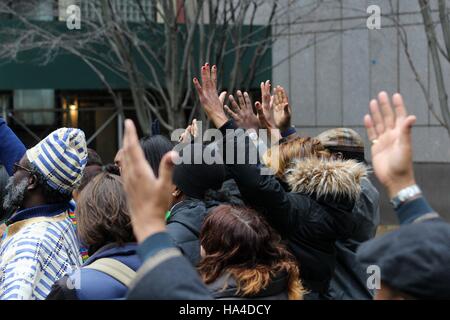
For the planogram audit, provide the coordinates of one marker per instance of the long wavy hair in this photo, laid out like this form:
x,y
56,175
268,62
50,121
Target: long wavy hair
x,y
237,241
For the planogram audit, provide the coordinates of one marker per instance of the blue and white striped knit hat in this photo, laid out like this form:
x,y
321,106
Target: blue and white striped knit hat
x,y
61,158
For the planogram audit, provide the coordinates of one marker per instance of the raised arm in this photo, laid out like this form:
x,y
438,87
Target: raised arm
x,y
165,273
389,130
262,192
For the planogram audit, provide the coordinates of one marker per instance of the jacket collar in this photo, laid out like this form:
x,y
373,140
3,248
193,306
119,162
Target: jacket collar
x,y
113,249
186,203
48,210
327,179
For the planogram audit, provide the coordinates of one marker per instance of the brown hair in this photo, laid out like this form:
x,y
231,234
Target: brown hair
x,y
102,213
89,173
290,150
239,241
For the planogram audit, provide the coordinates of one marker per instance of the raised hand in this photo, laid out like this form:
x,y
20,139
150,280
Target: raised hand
x,y
242,112
148,201
211,102
191,132
390,133
281,109
264,109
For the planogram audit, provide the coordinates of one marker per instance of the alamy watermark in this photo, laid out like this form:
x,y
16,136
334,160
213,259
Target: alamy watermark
x,y
374,278
73,20
235,147
374,20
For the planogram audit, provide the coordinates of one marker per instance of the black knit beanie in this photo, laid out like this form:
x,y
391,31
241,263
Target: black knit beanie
x,y
195,176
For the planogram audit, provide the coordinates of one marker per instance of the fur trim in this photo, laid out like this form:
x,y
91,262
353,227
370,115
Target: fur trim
x,y
327,178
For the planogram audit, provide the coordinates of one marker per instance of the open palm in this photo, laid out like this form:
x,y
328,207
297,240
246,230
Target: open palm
x,y
390,133
281,109
210,100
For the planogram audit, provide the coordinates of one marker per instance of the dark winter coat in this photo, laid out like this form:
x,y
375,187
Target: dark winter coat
x,y
313,216
184,225
350,277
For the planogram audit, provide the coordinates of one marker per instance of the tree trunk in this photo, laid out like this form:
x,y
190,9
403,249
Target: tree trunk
x,y
434,50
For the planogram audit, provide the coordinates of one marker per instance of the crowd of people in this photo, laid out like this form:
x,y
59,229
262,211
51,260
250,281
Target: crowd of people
x,y
164,222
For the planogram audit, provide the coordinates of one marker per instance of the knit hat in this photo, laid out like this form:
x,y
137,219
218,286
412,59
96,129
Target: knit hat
x,y
61,158
344,139
195,176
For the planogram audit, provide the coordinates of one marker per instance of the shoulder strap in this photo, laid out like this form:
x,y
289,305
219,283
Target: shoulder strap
x,y
115,269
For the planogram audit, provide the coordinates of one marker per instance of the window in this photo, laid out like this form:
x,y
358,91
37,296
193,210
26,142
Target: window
x,y
35,107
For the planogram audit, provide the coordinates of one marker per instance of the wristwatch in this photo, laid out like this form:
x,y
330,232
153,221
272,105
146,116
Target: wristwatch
x,y
405,195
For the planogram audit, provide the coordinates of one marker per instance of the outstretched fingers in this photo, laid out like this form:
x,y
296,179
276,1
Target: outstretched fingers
x,y
198,86
231,113
386,109
214,76
206,77
234,105
377,117
399,107
370,127
261,116
222,97
248,102
241,99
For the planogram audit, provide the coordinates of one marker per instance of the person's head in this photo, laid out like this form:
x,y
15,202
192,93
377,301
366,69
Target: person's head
x,y
48,172
238,241
102,213
194,177
89,173
155,147
410,262
93,158
93,167
344,142
291,150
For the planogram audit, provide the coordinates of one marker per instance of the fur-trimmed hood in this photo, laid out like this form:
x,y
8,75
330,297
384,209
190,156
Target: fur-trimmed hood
x,y
326,178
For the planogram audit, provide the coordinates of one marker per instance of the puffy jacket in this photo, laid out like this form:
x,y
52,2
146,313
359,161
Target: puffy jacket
x,y
313,216
276,290
89,284
184,225
350,277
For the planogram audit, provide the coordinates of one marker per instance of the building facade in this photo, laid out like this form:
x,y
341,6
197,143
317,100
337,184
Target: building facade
x,y
332,65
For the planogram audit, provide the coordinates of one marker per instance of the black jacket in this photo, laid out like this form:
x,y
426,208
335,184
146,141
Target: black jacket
x,y
313,216
166,274
276,290
350,277
184,225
